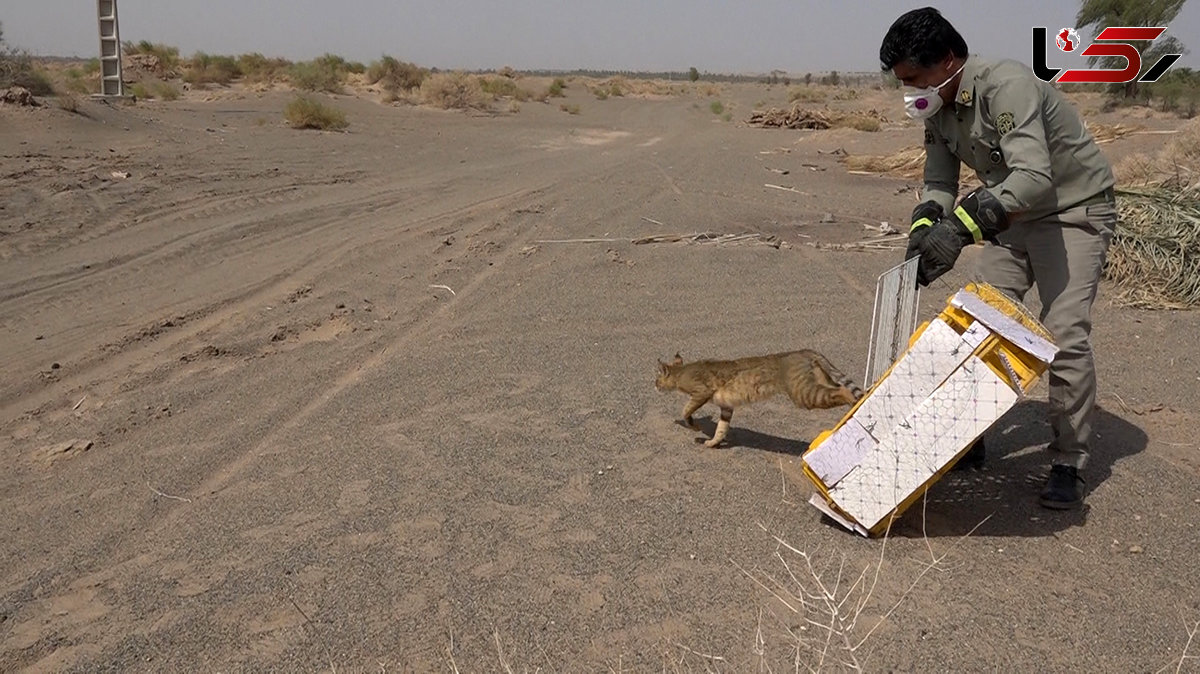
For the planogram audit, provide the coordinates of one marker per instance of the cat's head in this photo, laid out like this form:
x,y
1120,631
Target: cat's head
x,y
667,375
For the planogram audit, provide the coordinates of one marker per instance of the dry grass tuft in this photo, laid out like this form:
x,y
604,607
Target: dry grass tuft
x,y
306,113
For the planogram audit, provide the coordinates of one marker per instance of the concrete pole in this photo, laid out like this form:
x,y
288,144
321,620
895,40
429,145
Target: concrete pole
x,y
111,82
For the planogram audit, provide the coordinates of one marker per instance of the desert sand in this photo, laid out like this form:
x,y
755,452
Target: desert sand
x,y
280,399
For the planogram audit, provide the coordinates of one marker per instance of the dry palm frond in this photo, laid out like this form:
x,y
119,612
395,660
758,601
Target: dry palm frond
x,y
798,117
1155,257
1106,133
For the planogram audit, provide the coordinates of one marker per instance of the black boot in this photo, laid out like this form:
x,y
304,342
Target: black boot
x,y
973,459
1064,490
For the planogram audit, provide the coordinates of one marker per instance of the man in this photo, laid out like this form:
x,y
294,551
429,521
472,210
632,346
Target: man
x,y
1045,213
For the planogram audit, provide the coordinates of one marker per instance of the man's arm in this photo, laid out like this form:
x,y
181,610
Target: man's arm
x,y
1016,109
941,170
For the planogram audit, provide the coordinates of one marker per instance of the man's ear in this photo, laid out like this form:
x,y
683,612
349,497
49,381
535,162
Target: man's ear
x,y
678,359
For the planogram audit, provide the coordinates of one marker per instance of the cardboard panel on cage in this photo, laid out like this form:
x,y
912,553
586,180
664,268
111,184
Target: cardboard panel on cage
x,y
960,373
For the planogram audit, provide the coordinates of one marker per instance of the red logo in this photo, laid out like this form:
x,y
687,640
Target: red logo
x,y
1116,43
1067,39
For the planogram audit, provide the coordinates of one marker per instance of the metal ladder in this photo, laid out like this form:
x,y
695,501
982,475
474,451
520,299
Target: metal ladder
x,y
111,82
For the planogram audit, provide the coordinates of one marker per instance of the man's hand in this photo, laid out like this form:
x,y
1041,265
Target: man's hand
x,y
978,216
940,247
923,217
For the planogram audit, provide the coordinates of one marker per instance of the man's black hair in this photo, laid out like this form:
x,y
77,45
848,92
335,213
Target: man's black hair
x,y
922,37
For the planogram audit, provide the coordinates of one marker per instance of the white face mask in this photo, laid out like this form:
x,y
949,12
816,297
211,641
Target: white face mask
x,y
924,103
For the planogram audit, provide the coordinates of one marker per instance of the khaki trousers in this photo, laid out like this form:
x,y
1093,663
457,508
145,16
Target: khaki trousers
x,y
1064,255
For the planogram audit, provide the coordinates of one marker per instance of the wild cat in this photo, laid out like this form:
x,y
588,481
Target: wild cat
x,y
807,377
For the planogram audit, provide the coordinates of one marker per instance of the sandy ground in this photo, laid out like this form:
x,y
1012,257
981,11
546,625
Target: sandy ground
x,y
243,430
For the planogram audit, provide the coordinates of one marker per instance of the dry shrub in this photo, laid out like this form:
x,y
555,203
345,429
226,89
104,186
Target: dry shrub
x,y
807,94
1185,149
801,118
306,113
69,103
859,122
1176,165
165,91
1154,260
500,87
205,68
259,69
165,57
17,70
322,74
621,86
454,91
395,76
75,80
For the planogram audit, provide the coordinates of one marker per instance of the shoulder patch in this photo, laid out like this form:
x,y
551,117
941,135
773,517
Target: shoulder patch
x,y
928,137
1004,122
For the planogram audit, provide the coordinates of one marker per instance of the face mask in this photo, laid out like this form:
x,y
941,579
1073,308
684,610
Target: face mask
x,y
923,103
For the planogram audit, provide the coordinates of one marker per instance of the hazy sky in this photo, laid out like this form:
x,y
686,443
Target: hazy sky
x,y
752,35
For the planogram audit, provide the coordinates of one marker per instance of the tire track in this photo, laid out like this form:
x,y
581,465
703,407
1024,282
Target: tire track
x,y
200,320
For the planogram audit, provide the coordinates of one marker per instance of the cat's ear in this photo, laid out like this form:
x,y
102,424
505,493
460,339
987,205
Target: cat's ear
x,y
678,359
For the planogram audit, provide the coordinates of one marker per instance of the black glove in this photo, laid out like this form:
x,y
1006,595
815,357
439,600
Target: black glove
x,y
978,216
923,216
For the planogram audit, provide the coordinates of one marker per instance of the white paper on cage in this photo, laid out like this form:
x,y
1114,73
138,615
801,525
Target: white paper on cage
x,y
819,503
958,412
840,452
926,364
1007,327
